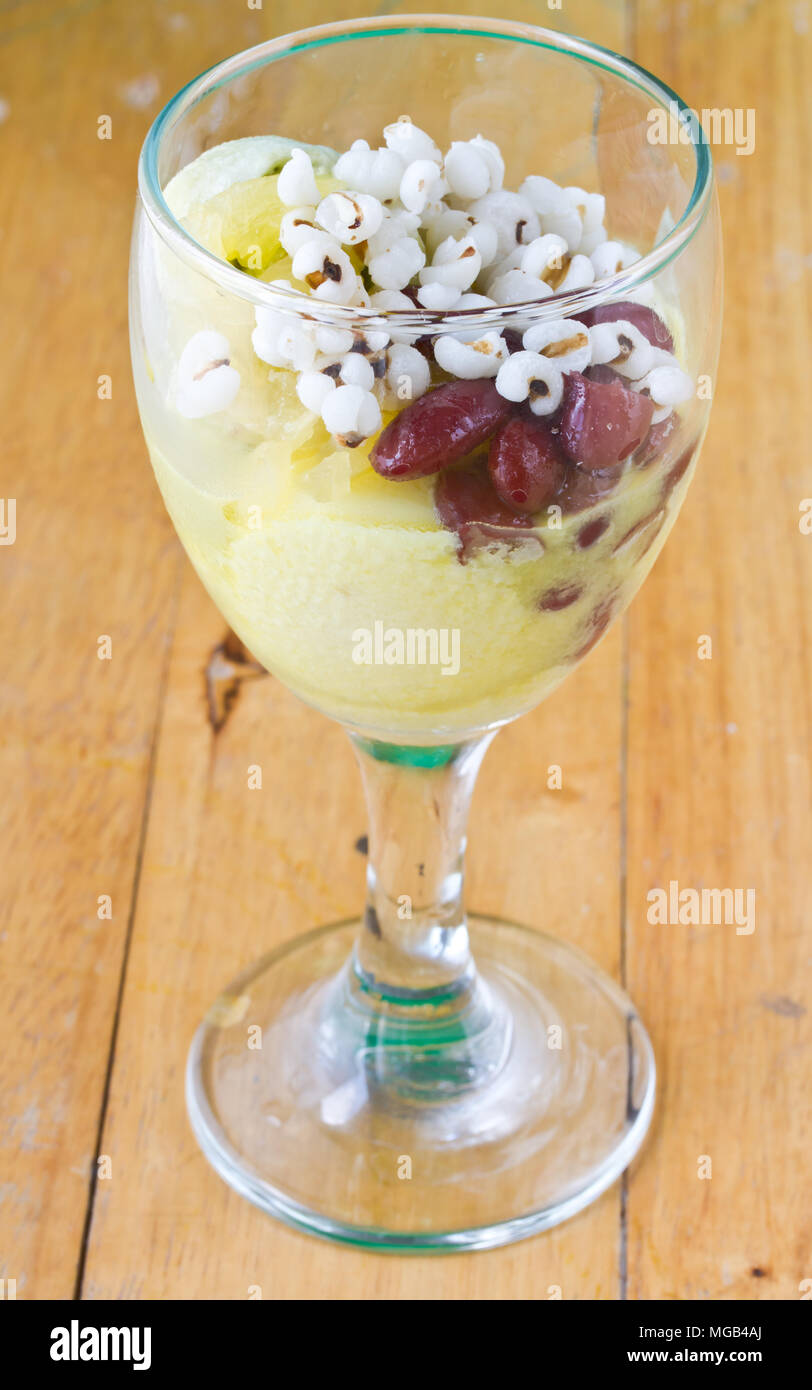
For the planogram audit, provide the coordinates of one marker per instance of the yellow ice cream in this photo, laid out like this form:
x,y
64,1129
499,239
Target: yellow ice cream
x,y
319,563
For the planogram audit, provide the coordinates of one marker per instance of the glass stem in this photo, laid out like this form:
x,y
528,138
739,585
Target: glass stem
x,y
413,944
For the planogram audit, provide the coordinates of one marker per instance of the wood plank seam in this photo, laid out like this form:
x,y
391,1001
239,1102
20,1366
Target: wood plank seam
x,y
125,955
623,1206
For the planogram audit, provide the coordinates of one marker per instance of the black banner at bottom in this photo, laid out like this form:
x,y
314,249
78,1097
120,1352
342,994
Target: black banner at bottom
x,y
59,1339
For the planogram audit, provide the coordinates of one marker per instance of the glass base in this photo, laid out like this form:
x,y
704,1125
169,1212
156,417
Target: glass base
x,y
447,1126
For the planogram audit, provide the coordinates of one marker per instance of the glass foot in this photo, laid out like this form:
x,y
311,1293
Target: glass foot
x,y
462,1123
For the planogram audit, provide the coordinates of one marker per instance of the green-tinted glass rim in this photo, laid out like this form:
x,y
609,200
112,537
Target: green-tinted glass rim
x,y
235,282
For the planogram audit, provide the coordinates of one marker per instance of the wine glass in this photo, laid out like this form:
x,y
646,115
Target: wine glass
x,y
416,1079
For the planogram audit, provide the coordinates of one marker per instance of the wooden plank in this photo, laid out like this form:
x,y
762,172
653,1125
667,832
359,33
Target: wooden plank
x,y
227,872
719,778
93,556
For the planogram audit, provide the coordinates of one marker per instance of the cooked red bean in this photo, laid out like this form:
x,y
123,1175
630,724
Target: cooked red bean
x,y
592,532
643,318
526,463
602,423
582,490
654,532
655,519
603,373
597,623
658,437
680,468
562,597
439,428
466,502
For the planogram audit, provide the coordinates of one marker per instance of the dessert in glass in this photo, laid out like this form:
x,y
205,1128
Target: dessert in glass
x,y
421,318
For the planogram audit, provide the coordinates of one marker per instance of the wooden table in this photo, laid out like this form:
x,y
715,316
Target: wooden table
x,y
118,781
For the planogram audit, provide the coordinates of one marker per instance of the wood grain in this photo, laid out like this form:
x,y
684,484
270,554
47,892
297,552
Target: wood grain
x,y
719,788
673,767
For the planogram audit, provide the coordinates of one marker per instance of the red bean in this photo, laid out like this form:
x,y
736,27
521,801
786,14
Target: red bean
x,y
526,464
562,597
439,428
466,502
658,437
597,623
582,490
603,373
592,532
654,519
602,423
680,468
654,532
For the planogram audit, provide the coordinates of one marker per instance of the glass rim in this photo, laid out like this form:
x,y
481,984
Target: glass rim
x,y
237,284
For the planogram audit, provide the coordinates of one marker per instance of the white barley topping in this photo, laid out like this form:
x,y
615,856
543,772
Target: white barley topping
x,y
563,341
603,342
296,345
544,195
313,236
390,299
511,262
407,372
667,385
378,172
422,181
456,263
580,273
519,247
512,217
313,388
359,298
441,222
565,222
409,222
281,341
516,286
410,142
206,380
394,299
528,376
562,211
393,268
334,342
356,370
568,212
467,171
438,297
322,264
297,227
475,301
591,208
297,182
388,234
486,240
375,337
591,240
634,355
350,217
611,257
544,257
474,359
351,414
492,155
